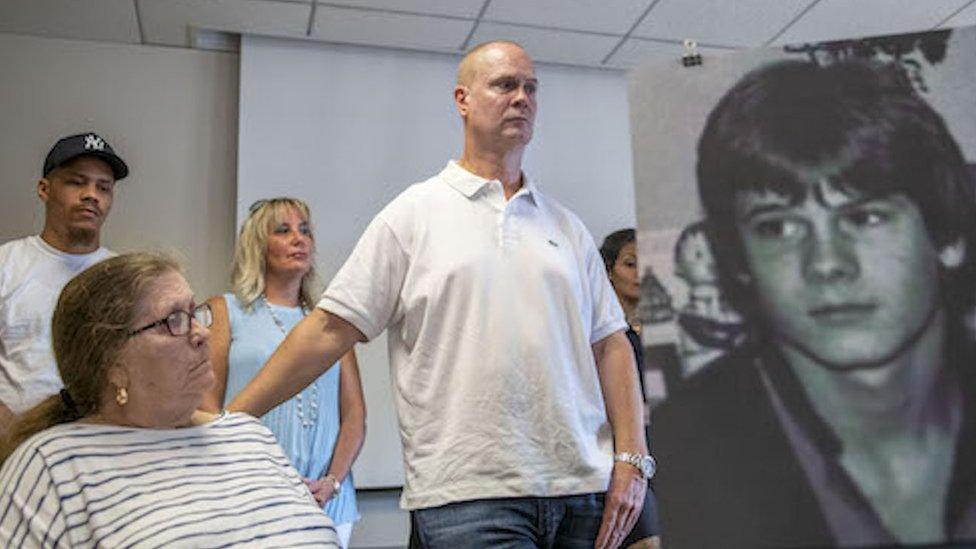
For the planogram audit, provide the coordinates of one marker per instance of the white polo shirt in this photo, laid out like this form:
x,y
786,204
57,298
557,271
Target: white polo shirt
x,y
492,307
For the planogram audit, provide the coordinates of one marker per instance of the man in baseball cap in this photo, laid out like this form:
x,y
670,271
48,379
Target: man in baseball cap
x,y
76,187
84,144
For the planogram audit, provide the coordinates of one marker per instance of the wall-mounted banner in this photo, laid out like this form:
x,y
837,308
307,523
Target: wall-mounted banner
x,y
807,243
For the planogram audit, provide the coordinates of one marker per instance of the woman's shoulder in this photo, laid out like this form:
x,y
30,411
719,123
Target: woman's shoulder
x,y
64,434
57,441
238,312
242,431
233,309
231,305
238,422
64,442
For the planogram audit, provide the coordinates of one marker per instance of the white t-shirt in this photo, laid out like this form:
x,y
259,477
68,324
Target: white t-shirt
x,y
492,307
222,484
32,274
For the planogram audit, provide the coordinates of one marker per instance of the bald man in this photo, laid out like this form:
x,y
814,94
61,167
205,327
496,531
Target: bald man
x,y
514,381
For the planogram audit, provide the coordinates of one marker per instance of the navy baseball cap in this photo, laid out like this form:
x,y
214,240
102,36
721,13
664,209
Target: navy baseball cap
x,y
84,144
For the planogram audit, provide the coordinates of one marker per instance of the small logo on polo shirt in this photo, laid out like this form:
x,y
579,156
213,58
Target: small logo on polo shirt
x,y
552,243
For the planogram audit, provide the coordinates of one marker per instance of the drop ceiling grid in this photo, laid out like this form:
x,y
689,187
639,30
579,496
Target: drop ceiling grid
x,y
964,17
100,20
464,9
582,32
840,19
381,28
169,22
635,51
550,45
581,15
739,23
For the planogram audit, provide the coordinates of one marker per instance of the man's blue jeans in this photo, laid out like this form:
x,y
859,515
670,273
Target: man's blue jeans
x,y
566,522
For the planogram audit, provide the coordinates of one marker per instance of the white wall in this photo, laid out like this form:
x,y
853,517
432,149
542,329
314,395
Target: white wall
x,y
170,113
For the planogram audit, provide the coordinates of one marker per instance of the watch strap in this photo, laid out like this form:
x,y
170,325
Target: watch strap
x,y
336,485
644,463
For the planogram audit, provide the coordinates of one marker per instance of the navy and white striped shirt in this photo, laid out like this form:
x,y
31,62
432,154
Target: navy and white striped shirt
x,y
222,484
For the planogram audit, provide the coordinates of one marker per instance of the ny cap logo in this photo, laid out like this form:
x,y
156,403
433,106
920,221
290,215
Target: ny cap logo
x,y
94,143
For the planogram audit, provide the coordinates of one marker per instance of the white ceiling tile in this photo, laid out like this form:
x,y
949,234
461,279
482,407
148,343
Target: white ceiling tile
x,y
452,8
390,29
103,20
843,19
739,23
964,18
616,17
635,52
552,46
172,22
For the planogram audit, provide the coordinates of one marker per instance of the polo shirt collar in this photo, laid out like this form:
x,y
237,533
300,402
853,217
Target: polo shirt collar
x,y
469,184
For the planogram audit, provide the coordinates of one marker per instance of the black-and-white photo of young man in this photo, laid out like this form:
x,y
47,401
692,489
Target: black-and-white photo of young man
x,y
842,216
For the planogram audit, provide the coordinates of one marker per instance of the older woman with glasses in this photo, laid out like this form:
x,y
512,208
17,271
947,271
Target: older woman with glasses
x,y
122,457
322,428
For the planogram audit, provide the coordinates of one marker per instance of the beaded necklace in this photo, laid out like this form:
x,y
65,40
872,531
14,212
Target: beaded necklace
x,y
313,414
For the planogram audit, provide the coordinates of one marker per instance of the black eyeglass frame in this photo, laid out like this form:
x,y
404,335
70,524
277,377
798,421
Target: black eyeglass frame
x,y
202,313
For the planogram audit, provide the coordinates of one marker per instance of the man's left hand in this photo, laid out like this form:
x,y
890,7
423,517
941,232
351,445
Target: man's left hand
x,y
621,506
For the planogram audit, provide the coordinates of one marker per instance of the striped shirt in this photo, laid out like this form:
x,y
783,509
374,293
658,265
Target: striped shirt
x,y
222,484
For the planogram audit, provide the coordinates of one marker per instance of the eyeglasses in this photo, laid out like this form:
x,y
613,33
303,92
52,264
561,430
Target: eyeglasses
x,y
178,322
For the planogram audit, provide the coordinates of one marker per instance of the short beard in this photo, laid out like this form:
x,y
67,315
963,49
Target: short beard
x,y
82,237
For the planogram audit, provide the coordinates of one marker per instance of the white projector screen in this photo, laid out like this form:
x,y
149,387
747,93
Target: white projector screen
x,y
348,128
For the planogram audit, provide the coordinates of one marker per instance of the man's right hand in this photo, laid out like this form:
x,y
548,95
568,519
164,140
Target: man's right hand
x,y
621,506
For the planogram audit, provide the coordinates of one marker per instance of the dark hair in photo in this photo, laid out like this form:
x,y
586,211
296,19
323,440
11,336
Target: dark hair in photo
x,y
864,121
613,243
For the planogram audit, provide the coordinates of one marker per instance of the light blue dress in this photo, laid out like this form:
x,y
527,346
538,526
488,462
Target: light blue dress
x,y
253,337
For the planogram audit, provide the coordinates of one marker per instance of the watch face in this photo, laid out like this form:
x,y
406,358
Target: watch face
x,y
648,466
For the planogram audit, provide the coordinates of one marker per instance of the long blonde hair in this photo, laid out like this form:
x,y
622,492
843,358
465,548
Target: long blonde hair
x,y
90,326
247,278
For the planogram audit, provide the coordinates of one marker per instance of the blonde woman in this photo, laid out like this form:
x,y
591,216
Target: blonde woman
x,y
322,428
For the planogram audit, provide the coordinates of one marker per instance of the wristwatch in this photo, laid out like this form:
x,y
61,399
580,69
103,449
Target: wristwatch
x,y
645,464
336,485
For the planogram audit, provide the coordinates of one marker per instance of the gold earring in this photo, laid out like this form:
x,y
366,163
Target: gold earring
x,y
122,396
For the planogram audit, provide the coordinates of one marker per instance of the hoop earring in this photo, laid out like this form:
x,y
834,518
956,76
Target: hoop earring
x,y
122,396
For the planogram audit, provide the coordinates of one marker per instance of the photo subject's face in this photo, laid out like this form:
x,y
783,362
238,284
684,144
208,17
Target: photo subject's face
x,y
847,280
